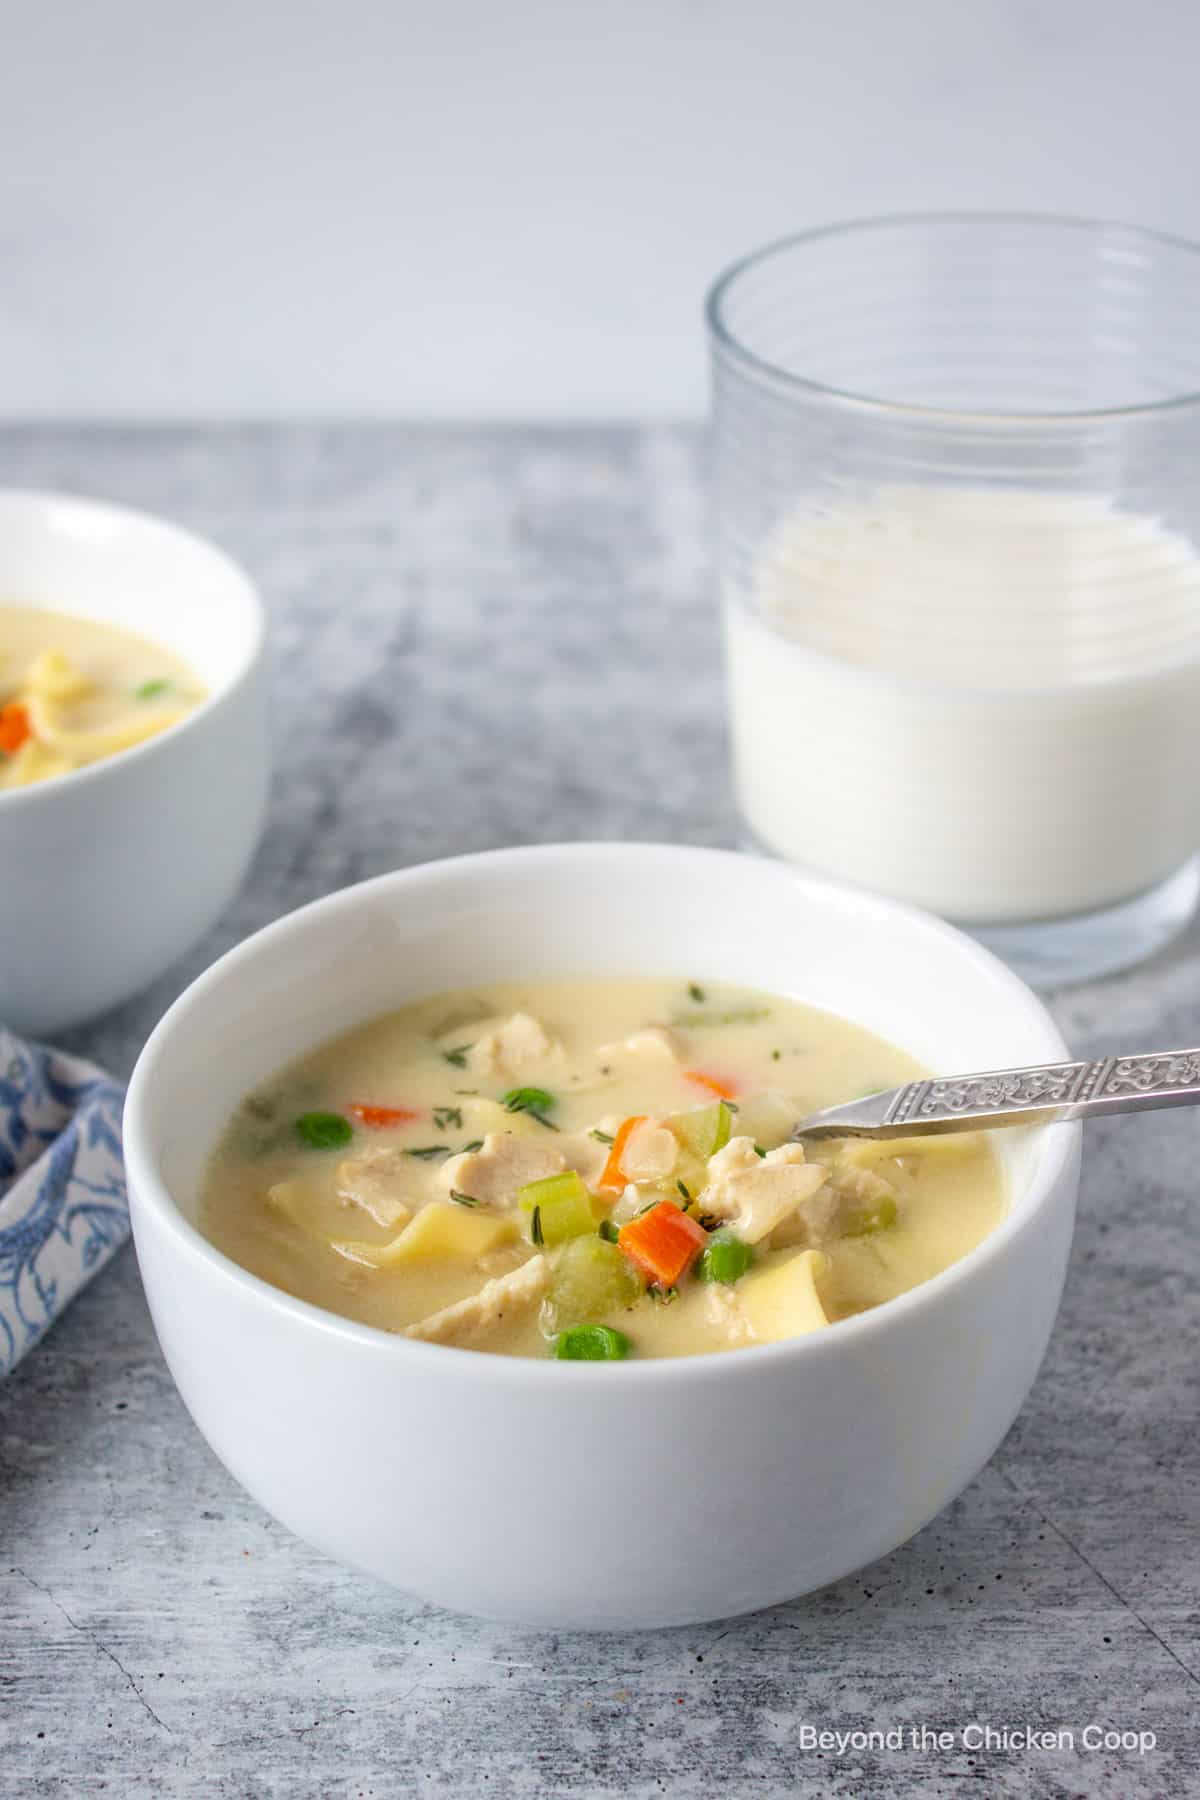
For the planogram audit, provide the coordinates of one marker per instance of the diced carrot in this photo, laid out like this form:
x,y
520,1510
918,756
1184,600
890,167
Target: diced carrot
x,y
724,1090
613,1176
379,1117
14,727
664,1242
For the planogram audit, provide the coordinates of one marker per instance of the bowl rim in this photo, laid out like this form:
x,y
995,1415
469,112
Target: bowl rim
x,y
148,1190
138,519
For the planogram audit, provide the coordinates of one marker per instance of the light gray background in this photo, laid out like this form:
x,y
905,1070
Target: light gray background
x,y
159,1635
485,210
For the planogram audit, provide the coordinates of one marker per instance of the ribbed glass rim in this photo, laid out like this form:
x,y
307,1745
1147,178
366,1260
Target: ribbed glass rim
x,y
728,344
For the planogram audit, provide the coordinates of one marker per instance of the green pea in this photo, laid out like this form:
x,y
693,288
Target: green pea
x,y
591,1343
726,1258
324,1130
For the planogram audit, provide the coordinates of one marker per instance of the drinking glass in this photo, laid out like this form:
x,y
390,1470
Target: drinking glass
x,y
957,464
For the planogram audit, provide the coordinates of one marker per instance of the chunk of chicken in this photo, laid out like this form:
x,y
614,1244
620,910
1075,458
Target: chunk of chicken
x,y
510,1046
862,1189
497,1300
502,1165
844,1205
382,1182
654,1041
755,1194
649,1152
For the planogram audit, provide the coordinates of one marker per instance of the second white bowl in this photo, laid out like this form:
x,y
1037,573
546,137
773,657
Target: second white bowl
x,y
589,1494
112,872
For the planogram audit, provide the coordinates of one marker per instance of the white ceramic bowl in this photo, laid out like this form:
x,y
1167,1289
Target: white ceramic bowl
x,y
596,1495
110,873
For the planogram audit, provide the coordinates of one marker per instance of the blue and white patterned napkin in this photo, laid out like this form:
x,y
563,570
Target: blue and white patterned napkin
x,y
62,1186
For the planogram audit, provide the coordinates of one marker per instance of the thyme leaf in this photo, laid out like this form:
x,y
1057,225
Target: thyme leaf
x,y
534,1101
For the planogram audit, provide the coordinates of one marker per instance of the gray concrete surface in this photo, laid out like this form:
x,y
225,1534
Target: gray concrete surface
x,y
490,637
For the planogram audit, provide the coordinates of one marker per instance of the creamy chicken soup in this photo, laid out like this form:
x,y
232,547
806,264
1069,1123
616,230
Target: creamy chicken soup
x,y
591,1169
73,690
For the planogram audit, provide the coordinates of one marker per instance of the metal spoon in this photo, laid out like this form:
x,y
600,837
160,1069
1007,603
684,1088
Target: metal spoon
x,y
1037,1096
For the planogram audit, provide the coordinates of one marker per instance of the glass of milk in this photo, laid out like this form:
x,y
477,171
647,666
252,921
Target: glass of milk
x,y
958,495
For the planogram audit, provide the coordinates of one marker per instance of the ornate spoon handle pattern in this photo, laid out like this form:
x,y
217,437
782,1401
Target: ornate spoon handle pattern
x,y
1038,1096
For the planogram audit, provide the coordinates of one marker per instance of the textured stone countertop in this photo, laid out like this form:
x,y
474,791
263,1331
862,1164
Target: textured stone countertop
x,y
487,637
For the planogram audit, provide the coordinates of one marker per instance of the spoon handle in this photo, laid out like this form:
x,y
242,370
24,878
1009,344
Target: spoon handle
x,y
1037,1096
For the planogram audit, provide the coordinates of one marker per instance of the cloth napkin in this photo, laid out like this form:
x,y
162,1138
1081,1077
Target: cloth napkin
x,y
63,1210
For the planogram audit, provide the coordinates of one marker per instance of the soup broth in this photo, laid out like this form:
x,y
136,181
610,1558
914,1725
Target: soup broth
x,y
73,691
591,1169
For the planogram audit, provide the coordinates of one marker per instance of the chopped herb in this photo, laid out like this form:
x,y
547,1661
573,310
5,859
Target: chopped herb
x,y
608,1231
534,1101
535,1227
775,1055
458,1058
470,1092
259,1107
683,1188
428,1151
709,1221
759,1151
461,1199
446,1116
601,1137
649,1207
324,1130
150,690
664,1295
475,1144
697,992
528,1099
732,1105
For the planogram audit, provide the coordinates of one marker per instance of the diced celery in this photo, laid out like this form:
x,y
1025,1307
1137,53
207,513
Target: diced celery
x,y
591,1279
704,1131
876,1217
559,1207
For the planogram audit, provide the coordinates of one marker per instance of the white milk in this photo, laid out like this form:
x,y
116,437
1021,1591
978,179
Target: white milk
x,y
986,702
